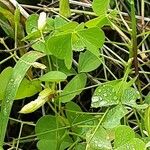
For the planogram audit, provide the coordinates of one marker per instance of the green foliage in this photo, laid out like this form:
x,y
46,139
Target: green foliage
x,y
125,139
73,88
50,127
46,144
28,88
31,23
93,39
7,28
105,95
99,140
53,76
63,68
147,120
64,8
62,50
17,76
100,7
4,79
79,122
114,93
113,117
88,62
127,133
75,54
99,22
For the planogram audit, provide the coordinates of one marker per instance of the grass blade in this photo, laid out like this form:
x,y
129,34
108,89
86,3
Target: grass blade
x,y
18,74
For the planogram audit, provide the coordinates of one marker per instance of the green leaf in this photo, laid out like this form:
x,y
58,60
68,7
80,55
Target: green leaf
x,y
47,128
88,62
72,108
64,8
49,24
134,144
8,15
99,22
147,98
129,97
147,120
93,39
98,141
44,96
28,88
50,124
59,22
18,27
67,28
125,139
100,7
7,28
79,121
112,93
63,68
123,134
17,76
73,88
77,42
80,146
105,95
113,117
32,36
31,23
4,79
53,76
60,46
39,46
47,144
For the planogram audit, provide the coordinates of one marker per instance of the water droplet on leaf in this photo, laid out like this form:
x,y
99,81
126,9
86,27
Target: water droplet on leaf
x,y
105,94
95,99
99,90
100,98
11,80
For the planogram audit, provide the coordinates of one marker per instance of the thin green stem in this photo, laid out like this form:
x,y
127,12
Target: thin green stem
x,y
139,123
95,130
134,51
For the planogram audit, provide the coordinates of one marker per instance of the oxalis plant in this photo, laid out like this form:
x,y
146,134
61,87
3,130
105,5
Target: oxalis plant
x,y
56,64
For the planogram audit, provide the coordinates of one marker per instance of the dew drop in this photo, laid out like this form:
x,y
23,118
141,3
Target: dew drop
x,y
107,138
95,99
99,90
105,94
100,98
137,92
11,80
5,111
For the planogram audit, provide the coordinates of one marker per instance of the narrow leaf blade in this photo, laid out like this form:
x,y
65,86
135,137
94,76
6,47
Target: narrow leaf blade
x,y
18,74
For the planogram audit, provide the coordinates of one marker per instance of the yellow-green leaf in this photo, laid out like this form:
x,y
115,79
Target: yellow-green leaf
x,y
64,8
147,120
43,97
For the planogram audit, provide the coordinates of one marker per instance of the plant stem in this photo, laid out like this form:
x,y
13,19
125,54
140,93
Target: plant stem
x,y
134,51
